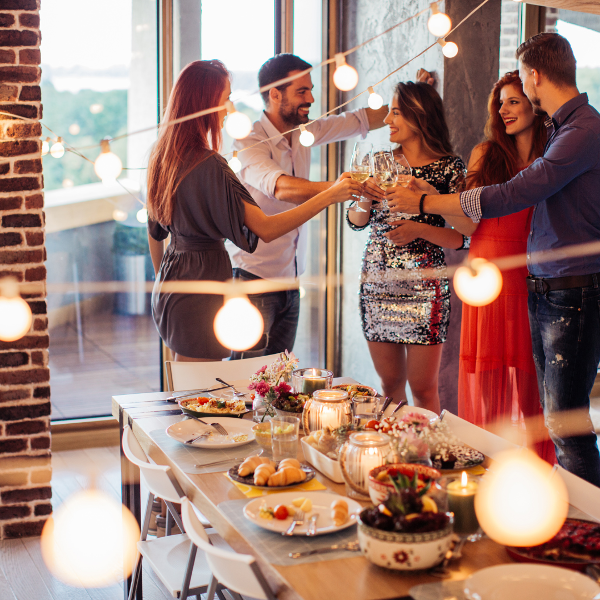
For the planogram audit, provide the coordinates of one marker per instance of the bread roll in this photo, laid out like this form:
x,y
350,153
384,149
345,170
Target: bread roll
x,y
339,512
289,462
262,474
250,464
286,476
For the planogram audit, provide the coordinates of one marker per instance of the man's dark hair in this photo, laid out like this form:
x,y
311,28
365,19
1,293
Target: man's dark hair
x,y
279,67
550,54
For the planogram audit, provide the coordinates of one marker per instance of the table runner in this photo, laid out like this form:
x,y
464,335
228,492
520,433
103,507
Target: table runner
x,y
276,547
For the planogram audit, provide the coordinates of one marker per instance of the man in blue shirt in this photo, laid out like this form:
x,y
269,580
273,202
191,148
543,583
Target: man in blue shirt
x,y
564,291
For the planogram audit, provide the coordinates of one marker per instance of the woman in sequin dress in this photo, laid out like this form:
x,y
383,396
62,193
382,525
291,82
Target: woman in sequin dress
x,y
497,382
405,315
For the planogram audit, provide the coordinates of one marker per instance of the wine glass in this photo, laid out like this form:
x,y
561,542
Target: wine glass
x,y
404,170
385,170
360,165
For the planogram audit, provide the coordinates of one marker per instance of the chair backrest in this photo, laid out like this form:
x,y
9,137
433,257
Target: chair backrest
x,y
157,478
197,375
238,572
476,437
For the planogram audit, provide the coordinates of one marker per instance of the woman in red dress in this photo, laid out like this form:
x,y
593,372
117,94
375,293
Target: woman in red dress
x,y
497,383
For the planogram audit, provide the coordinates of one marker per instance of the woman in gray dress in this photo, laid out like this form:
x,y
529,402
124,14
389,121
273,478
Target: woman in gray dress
x,y
195,197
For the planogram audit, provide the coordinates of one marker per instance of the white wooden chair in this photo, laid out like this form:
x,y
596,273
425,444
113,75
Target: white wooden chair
x,y
239,573
173,558
197,375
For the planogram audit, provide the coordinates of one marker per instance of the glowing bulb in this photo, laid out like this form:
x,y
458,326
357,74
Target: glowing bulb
x,y
74,129
375,101
119,215
478,284
235,163
345,77
108,165
237,125
68,183
449,49
57,150
439,23
142,215
306,137
521,501
96,108
90,540
46,146
15,314
238,324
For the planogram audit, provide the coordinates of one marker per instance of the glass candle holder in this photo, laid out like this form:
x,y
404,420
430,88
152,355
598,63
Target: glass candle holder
x,y
460,494
307,381
363,452
327,408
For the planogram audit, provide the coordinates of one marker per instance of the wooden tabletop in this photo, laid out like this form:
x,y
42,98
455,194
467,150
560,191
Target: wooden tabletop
x,y
352,577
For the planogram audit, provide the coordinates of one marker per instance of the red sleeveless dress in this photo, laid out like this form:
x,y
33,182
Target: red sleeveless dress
x,y
497,382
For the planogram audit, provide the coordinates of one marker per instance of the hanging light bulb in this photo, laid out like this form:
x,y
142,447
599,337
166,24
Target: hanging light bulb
x,y
345,77
90,541
108,165
375,101
479,283
142,215
439,23
521,501
235,163
57,150
74,129
306,137
119,215
15,314
238,324
46,146
237,125
449,49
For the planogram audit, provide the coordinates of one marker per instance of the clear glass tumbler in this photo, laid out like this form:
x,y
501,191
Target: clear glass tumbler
x,y
284,437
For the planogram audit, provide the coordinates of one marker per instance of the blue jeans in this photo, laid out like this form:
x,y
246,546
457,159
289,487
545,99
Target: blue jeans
x,y
280,311
565,331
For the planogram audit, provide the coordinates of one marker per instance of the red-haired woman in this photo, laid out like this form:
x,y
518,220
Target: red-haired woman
x,y
497,385
194,196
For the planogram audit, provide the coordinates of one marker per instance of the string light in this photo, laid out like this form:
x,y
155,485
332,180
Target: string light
x,y
15,314
46,146
237,125
90,541
449,49
119,215
74,129
238,324
345,77
478,283
375,101
235,164
57,150
439,23
142,215
108,166
306,137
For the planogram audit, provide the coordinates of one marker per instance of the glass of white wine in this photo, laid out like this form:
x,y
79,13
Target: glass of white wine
x,y
404,170
360,166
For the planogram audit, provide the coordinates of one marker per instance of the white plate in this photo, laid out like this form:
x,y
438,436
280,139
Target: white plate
x,y
414,409
321,503
530,582
185,430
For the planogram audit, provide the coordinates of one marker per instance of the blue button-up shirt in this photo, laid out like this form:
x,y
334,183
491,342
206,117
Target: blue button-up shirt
x,y
563,186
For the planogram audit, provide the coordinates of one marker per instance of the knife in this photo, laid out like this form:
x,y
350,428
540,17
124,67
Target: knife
x,y
400,405
350,546
195,393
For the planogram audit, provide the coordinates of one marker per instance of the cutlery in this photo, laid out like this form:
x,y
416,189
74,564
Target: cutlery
x,y
217,426
441,570
195,393
298,519
312,525
400,405
235,392
350,546
196,438
224,460
386,403
593,571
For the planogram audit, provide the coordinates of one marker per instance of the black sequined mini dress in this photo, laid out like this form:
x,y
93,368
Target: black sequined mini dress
x,y
397,303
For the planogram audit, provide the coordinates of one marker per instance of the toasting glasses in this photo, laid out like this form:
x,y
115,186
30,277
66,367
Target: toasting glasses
x,y
360,166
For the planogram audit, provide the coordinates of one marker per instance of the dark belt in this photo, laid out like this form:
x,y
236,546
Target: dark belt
x,y
183,244
541,286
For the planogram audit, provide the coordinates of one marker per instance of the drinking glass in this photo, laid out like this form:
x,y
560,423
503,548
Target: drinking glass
x,y
404,170
385,171
360,166
366,408
284,437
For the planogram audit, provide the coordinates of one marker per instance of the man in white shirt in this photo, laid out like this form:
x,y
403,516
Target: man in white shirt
x,y
276,172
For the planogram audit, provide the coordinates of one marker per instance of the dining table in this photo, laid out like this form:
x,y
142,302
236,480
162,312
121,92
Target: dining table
x,y
342,576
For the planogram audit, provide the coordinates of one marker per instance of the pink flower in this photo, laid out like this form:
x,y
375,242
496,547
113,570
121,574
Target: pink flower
x,y
252,386
261,370
283,388
262,388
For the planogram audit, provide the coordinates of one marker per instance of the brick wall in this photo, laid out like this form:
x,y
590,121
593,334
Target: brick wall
x,y
509,36
25,470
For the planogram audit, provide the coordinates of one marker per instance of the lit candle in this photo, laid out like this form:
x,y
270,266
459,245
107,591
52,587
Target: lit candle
x,y
461,501
313,382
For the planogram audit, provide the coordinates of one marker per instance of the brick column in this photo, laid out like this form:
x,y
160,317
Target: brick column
x,y
25,469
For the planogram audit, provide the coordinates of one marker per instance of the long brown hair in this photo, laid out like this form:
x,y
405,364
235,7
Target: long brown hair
x,y
500,159
179,148
422,108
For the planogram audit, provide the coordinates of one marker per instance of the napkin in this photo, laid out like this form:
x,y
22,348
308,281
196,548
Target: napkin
x,y
252,492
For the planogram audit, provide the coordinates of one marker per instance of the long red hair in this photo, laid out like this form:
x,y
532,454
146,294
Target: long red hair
x,y
179,148
500,159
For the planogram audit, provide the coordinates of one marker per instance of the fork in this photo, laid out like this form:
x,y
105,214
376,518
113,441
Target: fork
x,y
220,429
297,519
235,392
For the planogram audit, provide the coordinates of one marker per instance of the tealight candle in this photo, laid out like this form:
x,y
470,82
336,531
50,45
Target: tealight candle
x,y
307,381
461,501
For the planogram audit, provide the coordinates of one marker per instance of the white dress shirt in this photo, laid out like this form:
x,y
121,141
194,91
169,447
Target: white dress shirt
x,y
263,165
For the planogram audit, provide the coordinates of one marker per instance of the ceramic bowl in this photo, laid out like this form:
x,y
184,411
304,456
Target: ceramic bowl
x,y
404,551
379,490
262,435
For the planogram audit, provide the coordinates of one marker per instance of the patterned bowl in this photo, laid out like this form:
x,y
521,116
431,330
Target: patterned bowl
x,y
379,490
404,551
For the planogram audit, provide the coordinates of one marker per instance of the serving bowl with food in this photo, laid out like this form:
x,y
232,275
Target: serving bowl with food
x,y
209,406
381,484
356,389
